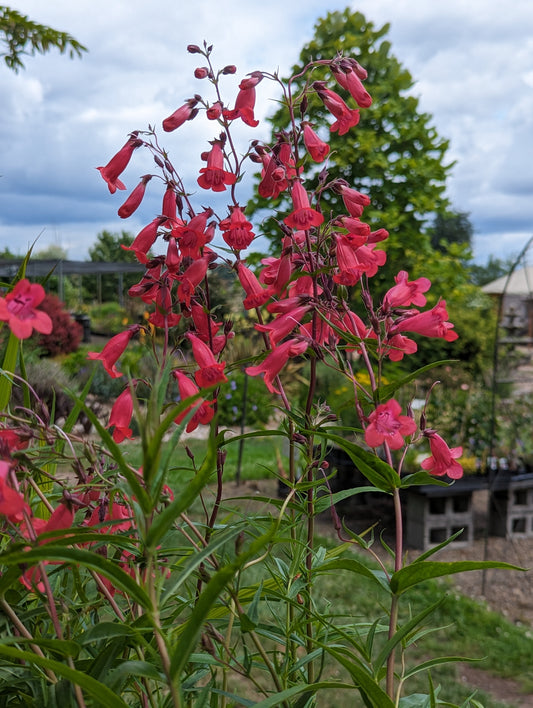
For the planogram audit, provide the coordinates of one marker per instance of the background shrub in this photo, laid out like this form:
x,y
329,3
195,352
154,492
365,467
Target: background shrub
x,y
66,334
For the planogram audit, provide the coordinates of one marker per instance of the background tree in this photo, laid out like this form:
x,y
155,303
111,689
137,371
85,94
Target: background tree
x,y
108,249
20,36
394,154
493,269
450,227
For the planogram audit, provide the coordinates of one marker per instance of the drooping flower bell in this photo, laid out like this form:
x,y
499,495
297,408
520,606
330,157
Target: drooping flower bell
x,y
302,217
214,176
113,350
443,460
237,230
118,163
186,112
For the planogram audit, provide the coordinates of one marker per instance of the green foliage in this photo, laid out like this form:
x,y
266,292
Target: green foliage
x,y
450,228
398,157
24,37
244,400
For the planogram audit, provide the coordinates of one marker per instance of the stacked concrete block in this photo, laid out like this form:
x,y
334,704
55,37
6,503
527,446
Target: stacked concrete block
x,y
512,507
434,514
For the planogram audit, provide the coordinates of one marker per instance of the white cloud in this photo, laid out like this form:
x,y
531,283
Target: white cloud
x,y
472,64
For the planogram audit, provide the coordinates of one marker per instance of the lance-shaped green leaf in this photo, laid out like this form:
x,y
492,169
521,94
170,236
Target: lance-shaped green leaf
x,y
104,695
354,566
402,632
378,472
416,573
164,520
187,641
93,561
373,695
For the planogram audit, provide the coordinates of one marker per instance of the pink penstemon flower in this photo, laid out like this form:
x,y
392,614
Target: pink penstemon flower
x,y
113,350
120,416
237,230
214,176
118,163
203,410
210,372
133,202
19,309
186,112
387,425
443,460
303,216
273,364
406,293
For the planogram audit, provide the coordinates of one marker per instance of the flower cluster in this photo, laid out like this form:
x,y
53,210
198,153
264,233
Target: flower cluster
x,y
303,291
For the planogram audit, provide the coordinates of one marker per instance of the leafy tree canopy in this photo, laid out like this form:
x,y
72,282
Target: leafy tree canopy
x,y
449,228
20,36
108,247
394,154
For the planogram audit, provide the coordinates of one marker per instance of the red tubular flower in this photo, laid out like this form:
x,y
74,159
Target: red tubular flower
x,y
276,360
207,328
386,425
203,410
283,325
135,198
118,163
120,416
237,230
191,278
399,345
406,293
351,82
302,217
350,267
354,201
17,308
12,504
145,239
61,519
431,323
256,295
215,111
316,147
113,350
11,439
346,118
169,206
273,178
371,259
192,236
210,372
245,102
214,176
184,113
443,459
163,315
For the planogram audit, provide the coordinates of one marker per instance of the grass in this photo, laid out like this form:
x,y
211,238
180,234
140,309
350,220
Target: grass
x,y
259,458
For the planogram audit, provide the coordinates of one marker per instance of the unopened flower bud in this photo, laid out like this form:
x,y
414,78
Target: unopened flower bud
x,y
194,49
201,72
230,69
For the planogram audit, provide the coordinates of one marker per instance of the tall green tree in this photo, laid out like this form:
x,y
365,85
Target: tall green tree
x,y
108,249
20,36
394,154
451,227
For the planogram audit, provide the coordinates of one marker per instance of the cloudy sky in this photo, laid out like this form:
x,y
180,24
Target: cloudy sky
x,y
472,63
